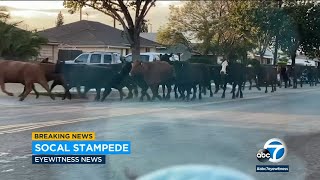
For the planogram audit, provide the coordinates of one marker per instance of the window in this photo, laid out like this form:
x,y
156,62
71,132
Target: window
x,y
107,58
147,49
95,58
144,58
129,58
82,58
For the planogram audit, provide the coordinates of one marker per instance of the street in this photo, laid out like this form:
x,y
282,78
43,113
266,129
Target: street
x,y
213,131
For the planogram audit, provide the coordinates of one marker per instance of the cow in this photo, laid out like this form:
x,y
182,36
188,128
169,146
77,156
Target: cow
x,y
154,74
189,75
268,76
25,73
233,73
97,77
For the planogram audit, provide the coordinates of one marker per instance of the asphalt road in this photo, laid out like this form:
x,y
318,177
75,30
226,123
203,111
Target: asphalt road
x,y
212,131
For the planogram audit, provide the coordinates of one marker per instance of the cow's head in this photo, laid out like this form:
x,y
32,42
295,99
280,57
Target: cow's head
x,y
137,68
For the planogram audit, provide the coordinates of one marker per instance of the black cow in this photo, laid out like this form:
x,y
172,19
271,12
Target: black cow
x,y
235,75
268,76
189,75
97,77
128,81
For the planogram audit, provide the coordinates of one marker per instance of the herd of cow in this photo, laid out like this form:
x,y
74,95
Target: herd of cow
x,y
185,77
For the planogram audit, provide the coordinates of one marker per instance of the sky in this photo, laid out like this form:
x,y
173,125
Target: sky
x,y
43,14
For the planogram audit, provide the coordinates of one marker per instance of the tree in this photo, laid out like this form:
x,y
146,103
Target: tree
x,y
4,14
144,26
170,37
16,43
201,20
120,10
60,21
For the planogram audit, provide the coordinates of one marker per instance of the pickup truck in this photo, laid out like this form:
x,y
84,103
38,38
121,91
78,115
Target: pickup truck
x,y
96,58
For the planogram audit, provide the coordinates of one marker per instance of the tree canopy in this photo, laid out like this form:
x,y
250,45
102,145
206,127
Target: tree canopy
x,y
231,28
16,43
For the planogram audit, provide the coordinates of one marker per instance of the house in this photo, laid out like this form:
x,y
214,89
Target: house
x,y
89,36
180,49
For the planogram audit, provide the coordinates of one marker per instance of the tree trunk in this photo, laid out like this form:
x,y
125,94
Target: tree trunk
x,y
293,63
261,58
135,47
275,56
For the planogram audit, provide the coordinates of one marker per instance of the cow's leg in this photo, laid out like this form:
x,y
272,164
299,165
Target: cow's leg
x,y
224,90
194,95
169,91
250,86
67,93
135,90
28,90
130,94
266,91
3,88
233,90
54,84
35,91
176,96
45,85
121,93
98,94
241,94
188,92
204,90
106,92
210,89
24,90
239,88
257,84
163,91
200,96
217,85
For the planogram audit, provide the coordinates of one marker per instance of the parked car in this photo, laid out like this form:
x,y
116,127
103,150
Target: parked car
x,y
96,58
150,56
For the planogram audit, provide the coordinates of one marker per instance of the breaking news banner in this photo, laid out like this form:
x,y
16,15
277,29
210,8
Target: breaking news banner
x,y
73,148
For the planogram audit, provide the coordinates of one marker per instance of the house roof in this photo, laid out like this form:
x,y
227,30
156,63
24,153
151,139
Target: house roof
x,y
90,33
149,36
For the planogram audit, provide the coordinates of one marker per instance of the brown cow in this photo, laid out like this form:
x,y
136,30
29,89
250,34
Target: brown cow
x,y
57,79
22,72
154,74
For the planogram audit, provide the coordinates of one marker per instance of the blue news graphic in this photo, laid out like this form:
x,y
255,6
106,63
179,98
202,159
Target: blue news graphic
x,y
80,147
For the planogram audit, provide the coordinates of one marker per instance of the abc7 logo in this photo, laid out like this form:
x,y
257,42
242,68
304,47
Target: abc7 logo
x,y
274,151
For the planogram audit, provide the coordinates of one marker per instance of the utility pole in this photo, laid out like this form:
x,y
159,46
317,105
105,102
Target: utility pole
x,y
276,46
114,22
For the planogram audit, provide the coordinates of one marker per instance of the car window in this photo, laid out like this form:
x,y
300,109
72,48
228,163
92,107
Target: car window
x,y
95,58
82,58
144,58
107,58
128,58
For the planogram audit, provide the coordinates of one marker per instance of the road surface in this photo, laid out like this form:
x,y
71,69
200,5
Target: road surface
x,y
212,131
